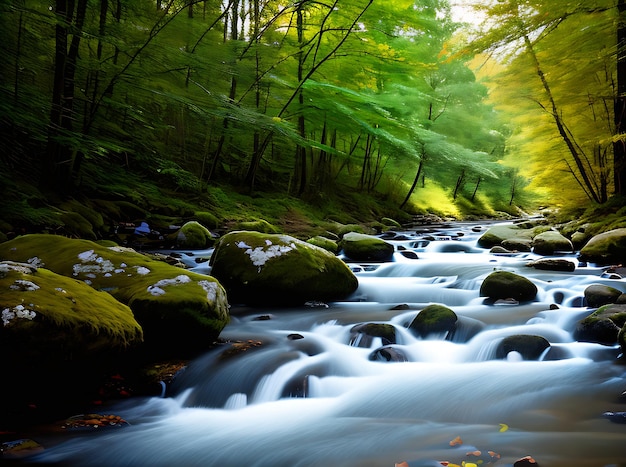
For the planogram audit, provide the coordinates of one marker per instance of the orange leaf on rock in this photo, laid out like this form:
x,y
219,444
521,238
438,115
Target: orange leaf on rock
x,y
456,441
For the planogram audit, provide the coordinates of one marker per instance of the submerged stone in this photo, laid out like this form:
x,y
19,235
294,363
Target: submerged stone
x,y
529,347
434,319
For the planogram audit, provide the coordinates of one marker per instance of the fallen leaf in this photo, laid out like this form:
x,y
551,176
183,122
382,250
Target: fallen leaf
x,y
456,441
402,464
503,427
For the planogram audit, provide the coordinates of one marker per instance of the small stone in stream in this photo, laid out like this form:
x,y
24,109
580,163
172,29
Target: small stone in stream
x,y
19,448
401,306
388,354
315,304
615,417
263,318
92,421
295,337
526,462
409,254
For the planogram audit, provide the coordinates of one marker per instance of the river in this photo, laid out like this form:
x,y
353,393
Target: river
x,y
301,390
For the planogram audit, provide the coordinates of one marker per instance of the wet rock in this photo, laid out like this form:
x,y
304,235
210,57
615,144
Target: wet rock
x,y
362,247
615,417
606,248
602,326
497,234
504,284
193,235
325,243
518,244
19,448
553,265
530,347
388,354
597,295
549,242
526,462
363,334
434,319
266,269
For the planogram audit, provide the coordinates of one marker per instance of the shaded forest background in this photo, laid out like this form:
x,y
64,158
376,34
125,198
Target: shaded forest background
x,y
343,110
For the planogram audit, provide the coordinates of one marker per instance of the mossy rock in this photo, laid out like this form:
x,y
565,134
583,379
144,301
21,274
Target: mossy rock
x,y
606,248
549,264
504,284
258,226
390,223
348,228
179,311
192,235
603,326
498,233
325,243
517,244
207,219
550,242
271,269
362,247
434,319
597,295
362,335
51,311
530,347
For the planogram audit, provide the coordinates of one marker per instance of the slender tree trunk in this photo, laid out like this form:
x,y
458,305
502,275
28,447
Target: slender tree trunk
x,y
416,179
619,147
301,160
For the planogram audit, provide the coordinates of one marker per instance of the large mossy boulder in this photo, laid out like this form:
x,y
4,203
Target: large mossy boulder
x,y
180,311
499,233
58,314
269,269
363,334
58,337
550,242
363,247
504,284
606,248
324,242
530,347
603,326
597,295
434,319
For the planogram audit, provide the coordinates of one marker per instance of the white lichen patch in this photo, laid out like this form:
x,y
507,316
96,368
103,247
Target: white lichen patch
x,y
260,255
243,245
92,264
35,261
142,270
17,312
210,288
157,289
24,285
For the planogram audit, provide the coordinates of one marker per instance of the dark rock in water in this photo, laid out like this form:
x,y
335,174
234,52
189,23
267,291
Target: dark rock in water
x,y
362,247
363,334
597,295
602,326
529,347
295,337
401,306
526,462
434,319
409,254
388,354
549,242
615,417
553,265
504,284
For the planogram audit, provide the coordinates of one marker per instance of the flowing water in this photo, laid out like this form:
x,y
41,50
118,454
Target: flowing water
x,y
301,390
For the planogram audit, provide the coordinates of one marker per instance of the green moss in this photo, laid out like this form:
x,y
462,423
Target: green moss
x,y
325,243
193,235
497,234
69,304
260,225
207,219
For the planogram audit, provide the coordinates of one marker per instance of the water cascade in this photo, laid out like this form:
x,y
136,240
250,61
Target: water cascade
x,y
311,393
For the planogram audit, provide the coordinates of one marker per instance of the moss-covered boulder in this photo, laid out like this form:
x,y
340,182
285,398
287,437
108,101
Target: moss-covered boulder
x,y
363,334
194,236
550,242
179,311
58,337
530,347
363,247
323,242
498,233
504,284
606,248
434,319
603,326
270,269
597,295
53,312
390,223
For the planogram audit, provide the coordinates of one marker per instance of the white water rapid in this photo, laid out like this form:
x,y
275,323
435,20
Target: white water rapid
x,y
310,395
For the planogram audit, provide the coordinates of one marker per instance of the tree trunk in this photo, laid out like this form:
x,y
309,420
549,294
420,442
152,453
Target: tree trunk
x,y
619,147
416,179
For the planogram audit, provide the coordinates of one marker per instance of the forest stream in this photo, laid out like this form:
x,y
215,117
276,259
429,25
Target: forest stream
x,y
306,391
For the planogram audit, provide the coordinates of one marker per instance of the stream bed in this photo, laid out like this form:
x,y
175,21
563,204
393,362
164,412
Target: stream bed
x,y
297,387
